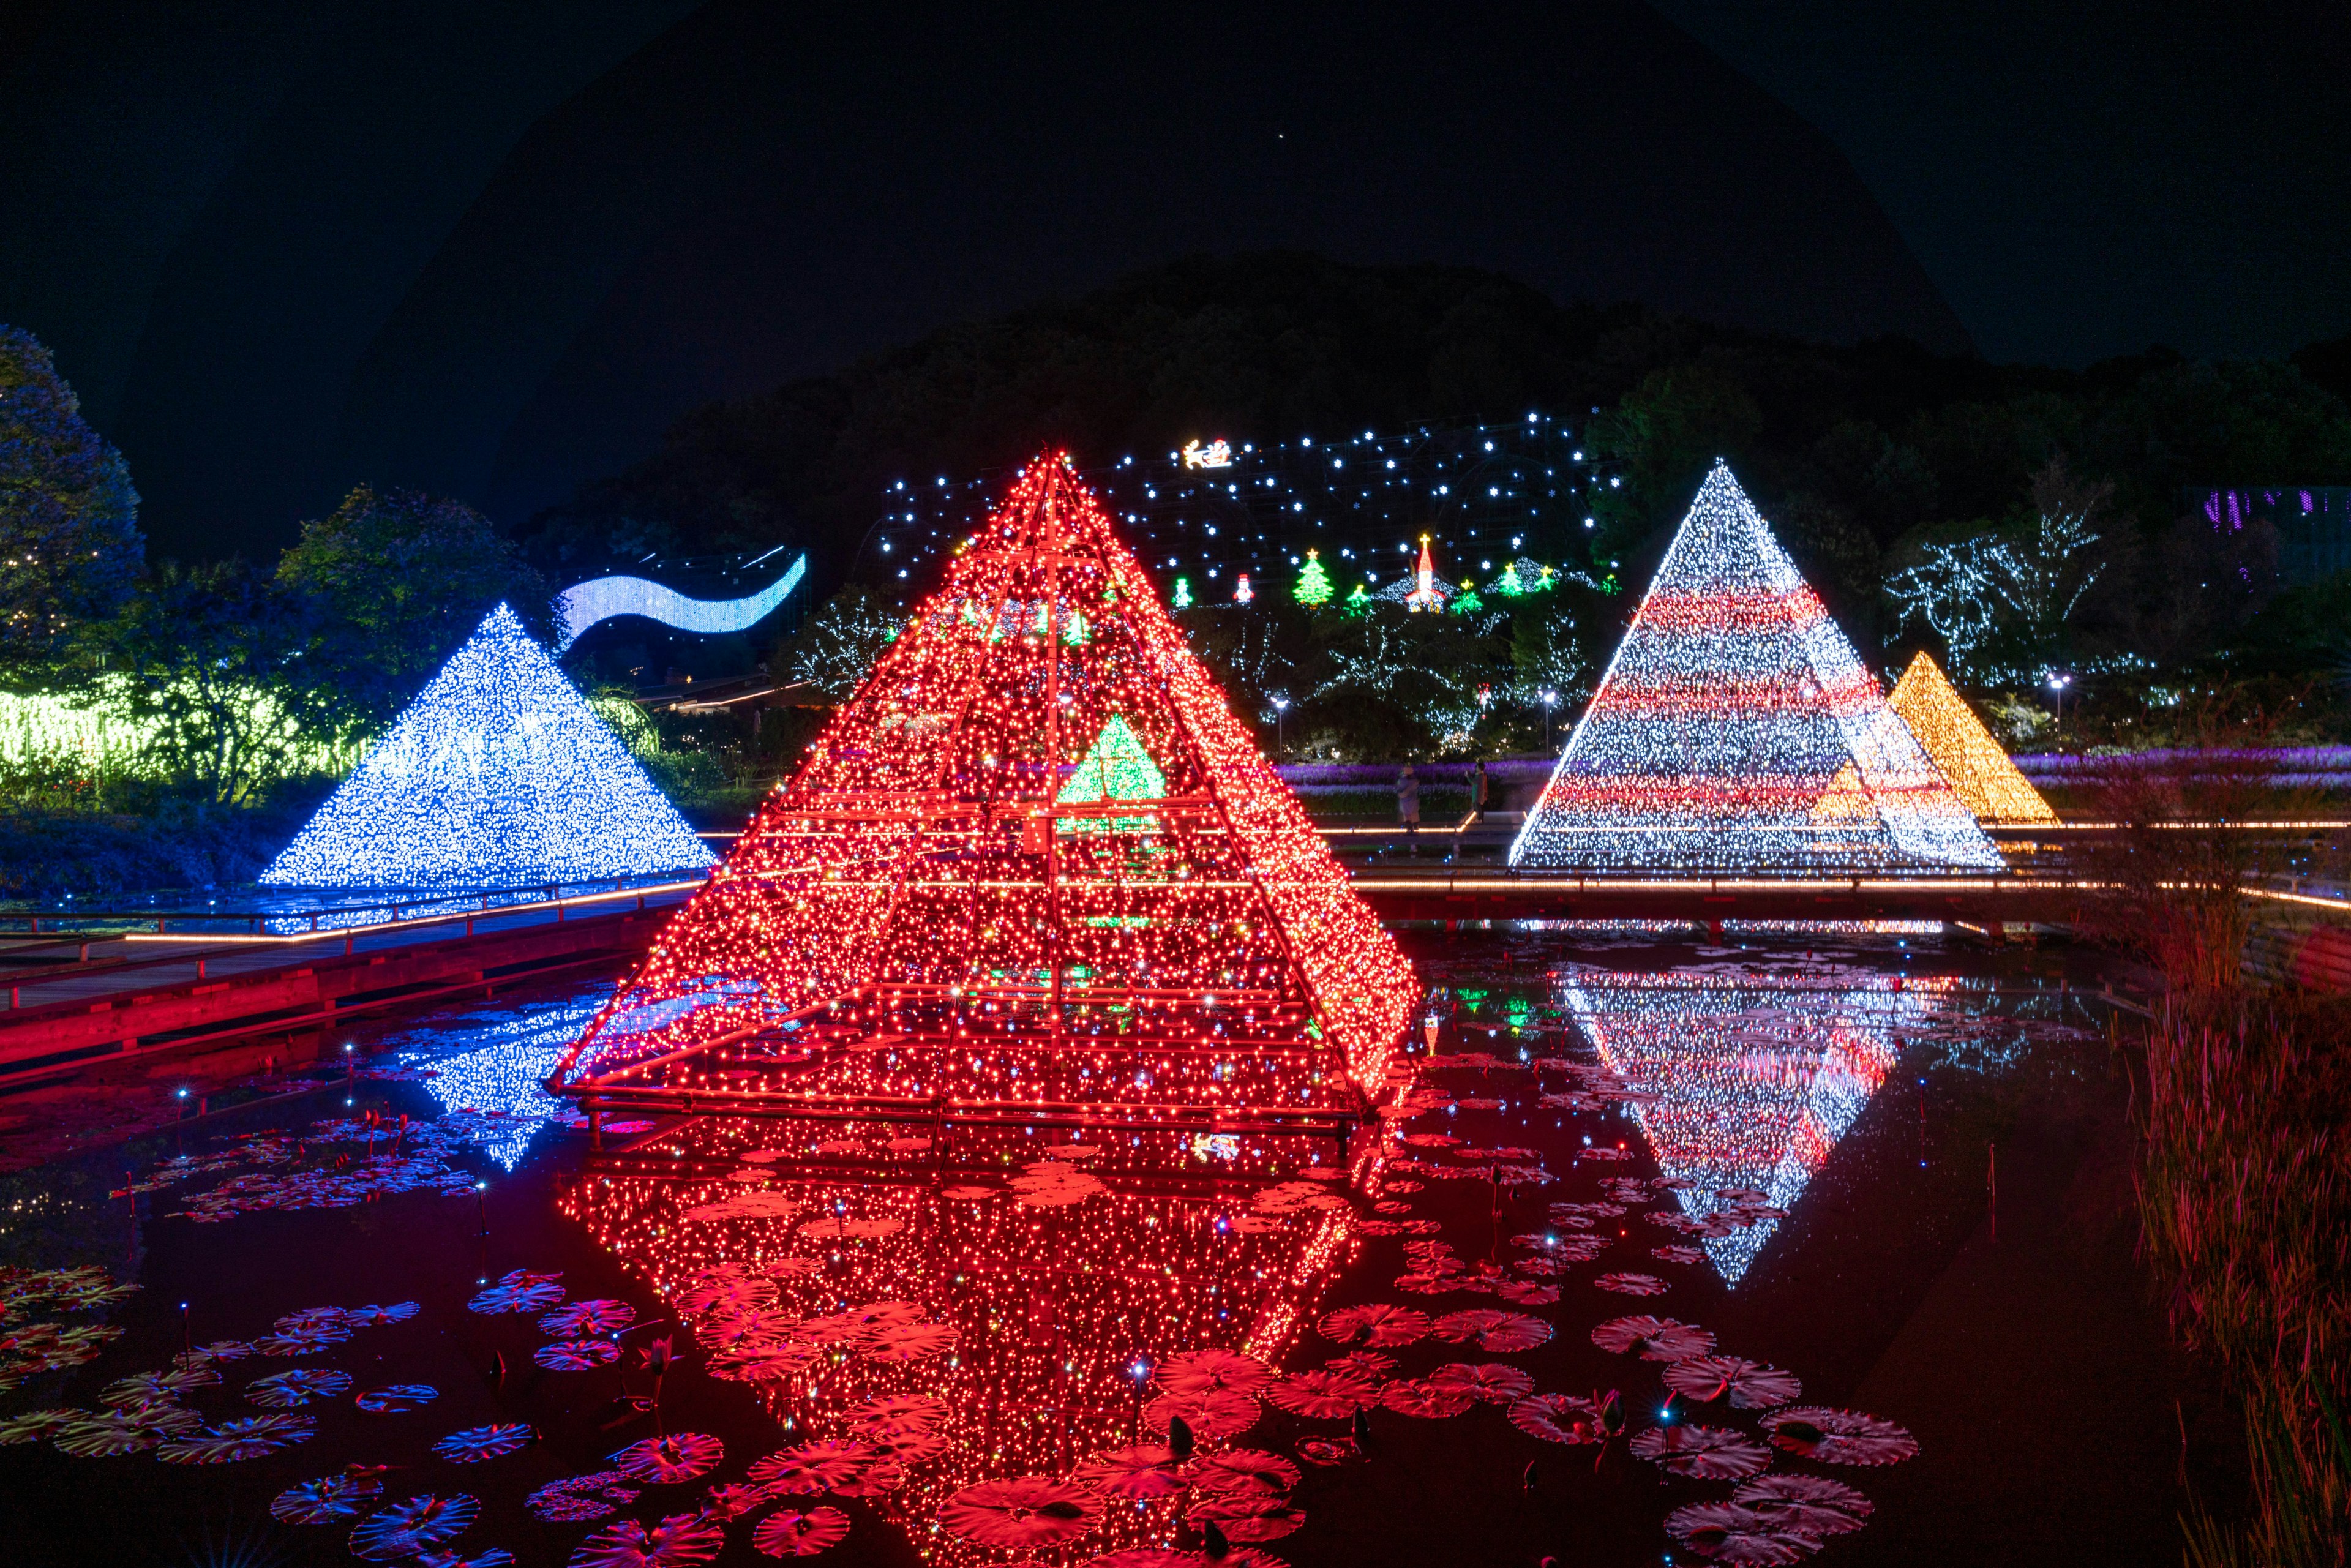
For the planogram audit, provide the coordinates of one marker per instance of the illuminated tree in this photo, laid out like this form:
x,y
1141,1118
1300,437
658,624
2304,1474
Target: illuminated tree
x,y
837,648
211,664
1183,600
403,577
69,540
1737,730
1020,869
1314,590
2003,599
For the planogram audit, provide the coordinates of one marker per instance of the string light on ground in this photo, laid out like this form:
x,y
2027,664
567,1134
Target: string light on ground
x,y
498,774
1736,729
1020,869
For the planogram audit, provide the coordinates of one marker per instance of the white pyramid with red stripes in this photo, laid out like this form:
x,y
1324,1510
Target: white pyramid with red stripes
x,y
1737,731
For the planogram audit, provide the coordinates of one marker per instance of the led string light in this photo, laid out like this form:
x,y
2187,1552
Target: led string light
x,y
1964,749
498,774
958,900
1060,1313
1756,1077
1737,730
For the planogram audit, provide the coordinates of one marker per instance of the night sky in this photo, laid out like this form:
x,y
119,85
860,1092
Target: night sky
x,y
283,246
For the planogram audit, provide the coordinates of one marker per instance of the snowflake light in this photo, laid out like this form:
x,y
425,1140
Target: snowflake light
x,y
498,774
1737,730
1023,869
1964,749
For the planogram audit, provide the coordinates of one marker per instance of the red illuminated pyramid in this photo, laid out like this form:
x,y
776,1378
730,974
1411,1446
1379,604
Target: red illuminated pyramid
x,y
1034,866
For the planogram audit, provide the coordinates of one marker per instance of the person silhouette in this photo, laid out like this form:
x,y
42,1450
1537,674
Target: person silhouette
x,y
1407,794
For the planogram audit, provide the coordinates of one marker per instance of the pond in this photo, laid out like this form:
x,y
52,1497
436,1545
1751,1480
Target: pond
x,y
1757,1245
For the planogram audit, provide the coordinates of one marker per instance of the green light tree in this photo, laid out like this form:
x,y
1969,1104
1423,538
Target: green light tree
x,y
1314,590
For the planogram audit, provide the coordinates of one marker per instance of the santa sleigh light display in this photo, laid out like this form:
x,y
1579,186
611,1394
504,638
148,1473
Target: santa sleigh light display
x,y
1033,869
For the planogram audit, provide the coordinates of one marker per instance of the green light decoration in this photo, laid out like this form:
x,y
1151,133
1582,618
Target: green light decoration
x,y
1183,600
1115,768
1467,601
1359,600
1508,585
1075,633
1314,590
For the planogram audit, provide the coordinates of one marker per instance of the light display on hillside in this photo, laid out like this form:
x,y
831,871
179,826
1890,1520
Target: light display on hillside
x,y
1755,1076
938,1317
1508,490
1018,869
1736,730
498,774
1963,749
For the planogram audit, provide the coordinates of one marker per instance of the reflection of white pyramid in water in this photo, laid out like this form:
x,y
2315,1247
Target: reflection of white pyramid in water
x,y
498,774
1756,1076
1737,730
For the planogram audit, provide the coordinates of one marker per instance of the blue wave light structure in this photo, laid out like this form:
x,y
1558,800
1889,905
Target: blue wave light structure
x,y
498,774
585,604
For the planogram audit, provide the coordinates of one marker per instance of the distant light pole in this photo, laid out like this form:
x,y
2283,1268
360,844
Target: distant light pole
x,y
1280,710
1550,701
2057,685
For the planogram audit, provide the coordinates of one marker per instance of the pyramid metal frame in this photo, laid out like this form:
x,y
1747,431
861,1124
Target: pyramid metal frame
x,y
919,925
1736,730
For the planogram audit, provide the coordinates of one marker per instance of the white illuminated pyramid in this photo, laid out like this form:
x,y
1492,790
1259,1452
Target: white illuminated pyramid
x,y
1737,730
498,774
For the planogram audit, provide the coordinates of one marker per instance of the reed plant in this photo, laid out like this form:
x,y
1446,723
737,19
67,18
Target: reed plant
x,y
2244,1169
2245,1204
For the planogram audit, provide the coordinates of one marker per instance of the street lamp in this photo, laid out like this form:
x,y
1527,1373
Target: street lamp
x,y
1550,701
1281,708
2057,685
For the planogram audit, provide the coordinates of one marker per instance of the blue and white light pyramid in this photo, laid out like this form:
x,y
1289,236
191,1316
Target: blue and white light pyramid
x,y
498,774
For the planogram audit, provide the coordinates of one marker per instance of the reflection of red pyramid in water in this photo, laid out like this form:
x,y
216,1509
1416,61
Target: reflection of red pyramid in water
x,y
1059,1313
1756,1076
1737,730
1033,864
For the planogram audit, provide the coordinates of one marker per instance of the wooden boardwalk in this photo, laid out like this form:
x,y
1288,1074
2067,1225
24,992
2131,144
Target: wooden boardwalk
x,y
144,992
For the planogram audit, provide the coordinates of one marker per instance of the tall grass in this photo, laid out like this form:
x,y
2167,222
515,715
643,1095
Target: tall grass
x,y
2245,1206
2244,1182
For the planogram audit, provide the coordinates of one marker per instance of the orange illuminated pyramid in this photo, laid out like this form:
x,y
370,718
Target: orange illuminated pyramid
x,y
1964,749
1033,867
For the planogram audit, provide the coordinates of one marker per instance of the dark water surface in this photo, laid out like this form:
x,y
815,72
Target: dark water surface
x,y
1036,1291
